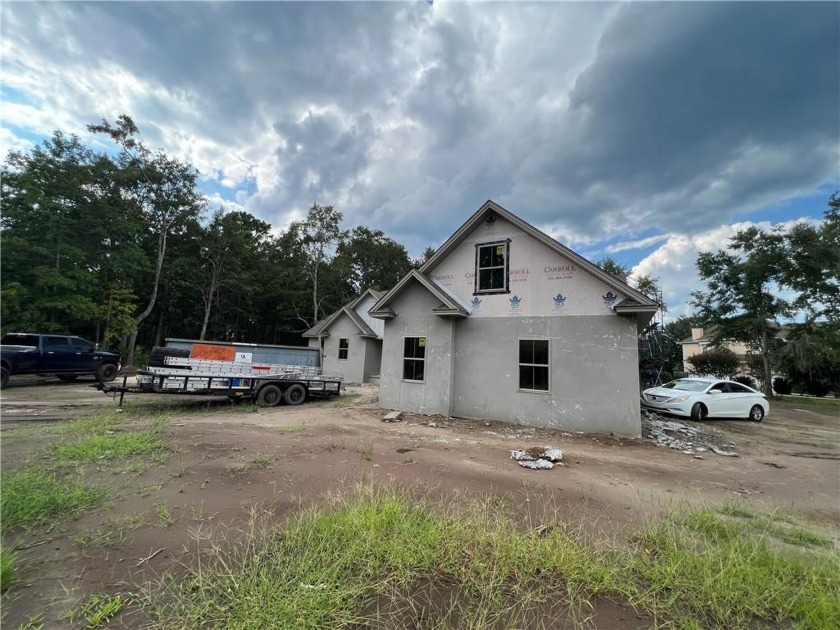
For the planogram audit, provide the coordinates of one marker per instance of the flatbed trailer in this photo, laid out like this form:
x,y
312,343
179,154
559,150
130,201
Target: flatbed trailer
x,y
268,384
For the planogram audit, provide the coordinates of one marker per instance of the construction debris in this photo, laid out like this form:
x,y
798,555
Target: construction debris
x,y
684,438
393,416
537,457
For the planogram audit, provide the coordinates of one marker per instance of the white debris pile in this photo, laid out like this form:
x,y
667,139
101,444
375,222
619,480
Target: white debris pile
x,y
681,437
538,457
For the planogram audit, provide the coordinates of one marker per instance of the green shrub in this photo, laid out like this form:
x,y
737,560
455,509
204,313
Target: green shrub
x,y
7,567
749,381
782,385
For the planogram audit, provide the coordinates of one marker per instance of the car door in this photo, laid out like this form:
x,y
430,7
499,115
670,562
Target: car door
x,y
741,400
717,403
84,354
58,355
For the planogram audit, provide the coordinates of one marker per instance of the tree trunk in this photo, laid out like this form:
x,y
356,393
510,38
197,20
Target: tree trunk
x,y
765,359
132,341
315,296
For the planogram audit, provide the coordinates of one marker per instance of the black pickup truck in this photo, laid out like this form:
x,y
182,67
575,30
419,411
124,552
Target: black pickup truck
x,y
55,355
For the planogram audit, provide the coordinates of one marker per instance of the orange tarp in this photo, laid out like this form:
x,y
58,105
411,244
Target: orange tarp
x,y
213,353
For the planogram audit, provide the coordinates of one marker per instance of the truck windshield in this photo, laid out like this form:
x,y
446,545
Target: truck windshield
x,y
20,340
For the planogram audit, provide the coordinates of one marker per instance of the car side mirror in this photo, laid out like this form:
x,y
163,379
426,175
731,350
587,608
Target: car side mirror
x,y
715,391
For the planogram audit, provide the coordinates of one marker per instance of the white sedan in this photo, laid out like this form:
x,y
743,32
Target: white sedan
x,y
701,398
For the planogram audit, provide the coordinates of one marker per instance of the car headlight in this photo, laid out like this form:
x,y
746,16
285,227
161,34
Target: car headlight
x,y
680,399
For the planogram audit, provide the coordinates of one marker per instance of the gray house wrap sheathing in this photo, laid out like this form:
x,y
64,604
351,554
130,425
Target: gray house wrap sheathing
x,y
350,340
503,322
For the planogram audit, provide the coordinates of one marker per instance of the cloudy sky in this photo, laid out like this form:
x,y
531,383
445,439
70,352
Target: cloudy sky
x,y
644,131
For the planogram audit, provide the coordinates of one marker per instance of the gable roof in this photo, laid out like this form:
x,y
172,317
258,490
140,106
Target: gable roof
x,y
449,304
640,302
321,328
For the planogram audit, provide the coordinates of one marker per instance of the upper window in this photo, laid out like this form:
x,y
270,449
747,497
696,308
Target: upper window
x,y
343,349
80,345
57,343
492,264
414,359
533,364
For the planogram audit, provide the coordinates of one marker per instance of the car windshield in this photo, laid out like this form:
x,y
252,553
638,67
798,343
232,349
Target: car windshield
x,y
689,386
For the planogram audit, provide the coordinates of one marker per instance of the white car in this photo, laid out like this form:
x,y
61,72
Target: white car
x,y
701,398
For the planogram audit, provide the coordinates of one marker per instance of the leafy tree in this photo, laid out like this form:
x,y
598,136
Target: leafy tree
x,y
740,296
427,253
718,362
69,239
614,268
165,196
369,259
812,266
317,235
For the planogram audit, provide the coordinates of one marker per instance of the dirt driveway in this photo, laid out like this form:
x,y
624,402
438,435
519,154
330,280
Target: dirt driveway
x,y
222,459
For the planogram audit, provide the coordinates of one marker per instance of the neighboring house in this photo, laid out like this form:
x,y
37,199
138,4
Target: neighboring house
x,y
350,340
701,341
503,322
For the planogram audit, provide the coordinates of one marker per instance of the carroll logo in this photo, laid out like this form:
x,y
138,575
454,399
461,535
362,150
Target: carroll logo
x,y
515,301
559,300
609,298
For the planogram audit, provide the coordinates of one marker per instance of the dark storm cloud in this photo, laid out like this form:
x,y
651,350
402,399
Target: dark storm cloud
x,y
594,120
713,105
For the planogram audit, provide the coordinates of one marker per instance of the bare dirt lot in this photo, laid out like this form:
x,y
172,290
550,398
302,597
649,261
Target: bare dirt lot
x,y
221,459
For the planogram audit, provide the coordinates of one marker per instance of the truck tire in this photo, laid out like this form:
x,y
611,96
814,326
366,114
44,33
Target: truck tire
x,y
295,394
4,377
269,396
106,372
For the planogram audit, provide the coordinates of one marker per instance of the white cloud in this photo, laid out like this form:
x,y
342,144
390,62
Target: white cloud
x,y
674,263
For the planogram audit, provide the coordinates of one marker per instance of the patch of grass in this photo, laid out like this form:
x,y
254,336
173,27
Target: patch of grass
x,y
33,622
112,533
263,460
829,402
365,449
106,447
101,424
164,514
700,568
97,610
8,567
292,429
33,496
372,559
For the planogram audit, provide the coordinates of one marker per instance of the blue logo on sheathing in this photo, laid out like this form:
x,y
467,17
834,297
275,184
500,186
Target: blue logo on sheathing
x,y
515,301
559,300
609,298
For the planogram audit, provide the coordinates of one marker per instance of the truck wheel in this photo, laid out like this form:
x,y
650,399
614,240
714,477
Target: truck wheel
x,y
269,396
295,395
4,377
67,377
106,372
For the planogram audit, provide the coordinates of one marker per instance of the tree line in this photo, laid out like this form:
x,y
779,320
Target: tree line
x,y
121,247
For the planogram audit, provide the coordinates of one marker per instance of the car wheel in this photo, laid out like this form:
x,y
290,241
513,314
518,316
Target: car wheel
x,y
295,395
757,413
106,372
67,377
269,396
4,377
698,412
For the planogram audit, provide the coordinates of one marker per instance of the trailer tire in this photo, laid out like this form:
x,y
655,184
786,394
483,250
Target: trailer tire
x,y
295,394
269,396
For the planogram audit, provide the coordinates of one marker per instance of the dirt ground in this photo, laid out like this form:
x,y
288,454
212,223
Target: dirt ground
x,y
224,459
